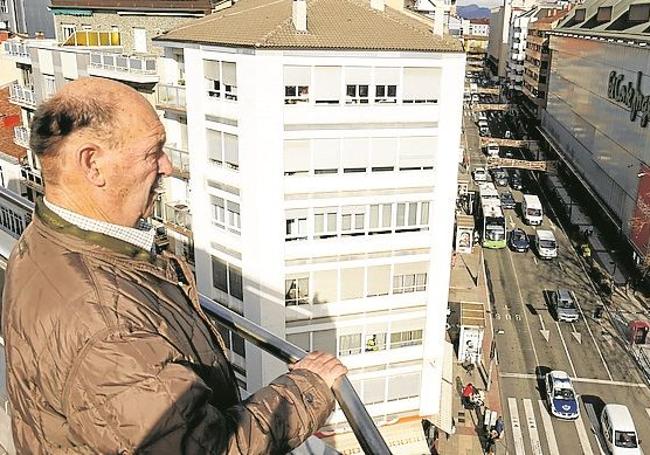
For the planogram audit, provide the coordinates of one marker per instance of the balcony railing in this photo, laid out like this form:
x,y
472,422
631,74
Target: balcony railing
x,y
171,97
16,49
178,216
32,178
180,161
22,95
136,68
362,425
21,136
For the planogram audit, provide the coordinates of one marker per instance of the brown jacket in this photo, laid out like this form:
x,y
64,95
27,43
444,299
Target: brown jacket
x,y
108,351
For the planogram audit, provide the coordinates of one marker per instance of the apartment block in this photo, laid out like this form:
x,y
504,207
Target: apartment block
x,y
26,17
323,158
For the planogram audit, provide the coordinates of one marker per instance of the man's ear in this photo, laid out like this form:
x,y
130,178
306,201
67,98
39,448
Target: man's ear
x,y
89,160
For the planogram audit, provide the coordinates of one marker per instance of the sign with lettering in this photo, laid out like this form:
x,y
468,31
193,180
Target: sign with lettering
x,y
630,95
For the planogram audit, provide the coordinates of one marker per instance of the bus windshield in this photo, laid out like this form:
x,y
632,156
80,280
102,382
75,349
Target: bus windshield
x,y
494,229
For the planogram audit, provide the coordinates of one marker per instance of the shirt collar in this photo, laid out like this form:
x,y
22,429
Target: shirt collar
x,y
141,236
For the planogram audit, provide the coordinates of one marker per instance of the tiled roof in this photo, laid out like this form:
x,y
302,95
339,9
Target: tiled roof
x,y
7,109
618,27
331,24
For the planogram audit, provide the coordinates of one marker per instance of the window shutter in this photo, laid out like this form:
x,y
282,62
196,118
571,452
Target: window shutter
x,y
411,268
421,83
326,153
384,152
387,76
215,145
325,286
417,151
406,385
352,281
231,149
297,156
327,83
378,280
357,75
300,339
229,73
355,153
374,390
211,70
297,75
324,340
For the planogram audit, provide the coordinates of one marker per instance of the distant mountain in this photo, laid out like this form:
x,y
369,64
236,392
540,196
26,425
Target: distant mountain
x,y
472,12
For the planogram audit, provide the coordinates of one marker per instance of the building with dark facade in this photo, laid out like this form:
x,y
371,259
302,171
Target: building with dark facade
x,y
26,17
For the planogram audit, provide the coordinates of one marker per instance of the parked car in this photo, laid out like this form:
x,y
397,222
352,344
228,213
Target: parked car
x,y
480,174
507,200
519,240
508,134
516,180
619,431
484,131
560,396
500,177
564,306
492,149
475,98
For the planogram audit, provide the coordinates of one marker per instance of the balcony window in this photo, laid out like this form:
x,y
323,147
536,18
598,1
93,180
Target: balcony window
x,y
325,222
349,344
296,84
410,277
296,291
375,342
380,218
412,215
407,338
356,94
327,84
385,93
50,86
353,220
421,85
296,225
221,79
223,148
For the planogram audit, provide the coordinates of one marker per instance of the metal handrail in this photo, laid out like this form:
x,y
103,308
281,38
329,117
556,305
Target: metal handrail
x,y
369,437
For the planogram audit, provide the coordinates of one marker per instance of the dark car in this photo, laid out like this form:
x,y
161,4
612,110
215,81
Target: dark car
x,y
519,240
500,177
516,181
507,200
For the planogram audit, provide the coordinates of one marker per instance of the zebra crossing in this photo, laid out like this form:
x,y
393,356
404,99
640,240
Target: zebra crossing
x,y
526,437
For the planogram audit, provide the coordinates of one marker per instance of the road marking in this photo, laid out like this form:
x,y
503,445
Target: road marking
x,y
548,429
647,410
516,427
507,375
582,435
561,266
595,427
545,333
566,350
576,334
591,334
532,427
535,260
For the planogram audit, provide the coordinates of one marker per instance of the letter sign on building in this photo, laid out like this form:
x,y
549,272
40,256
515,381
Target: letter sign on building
x,y
630,95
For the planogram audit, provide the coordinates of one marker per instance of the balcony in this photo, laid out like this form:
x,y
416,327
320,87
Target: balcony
x,y
370,439
32,178
23,96
93,39
180,161
18,51
21,136
177,216
171,97
132,68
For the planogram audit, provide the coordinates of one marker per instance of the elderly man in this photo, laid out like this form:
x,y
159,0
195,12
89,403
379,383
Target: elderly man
x,y
108,350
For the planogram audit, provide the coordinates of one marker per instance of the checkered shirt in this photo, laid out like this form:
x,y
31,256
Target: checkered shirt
x,y
141,236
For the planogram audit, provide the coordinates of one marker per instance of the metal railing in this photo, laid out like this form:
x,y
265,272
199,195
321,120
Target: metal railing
x,y
180,160
178,214
134,64
171,96
16,49
21,136
21,95
369,437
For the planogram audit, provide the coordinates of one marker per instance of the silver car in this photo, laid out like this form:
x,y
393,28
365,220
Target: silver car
x,y
565,306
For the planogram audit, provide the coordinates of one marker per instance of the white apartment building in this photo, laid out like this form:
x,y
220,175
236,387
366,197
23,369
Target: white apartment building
x,y
479,27
517,48
323,158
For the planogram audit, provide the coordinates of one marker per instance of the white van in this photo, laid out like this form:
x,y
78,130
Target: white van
x,y
482,123
492,149
482,116
532,210
545,244
618,430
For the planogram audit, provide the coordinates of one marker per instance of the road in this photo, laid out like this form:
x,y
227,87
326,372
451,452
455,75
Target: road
x,y
531,343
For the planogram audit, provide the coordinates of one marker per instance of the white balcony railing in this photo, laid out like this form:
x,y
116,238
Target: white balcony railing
x,y
177,215
32,178
22,95
21,136
16,49
171,97
180,160
137,68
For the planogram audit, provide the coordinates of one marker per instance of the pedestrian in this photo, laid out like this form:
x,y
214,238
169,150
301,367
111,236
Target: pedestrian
x,y
108,349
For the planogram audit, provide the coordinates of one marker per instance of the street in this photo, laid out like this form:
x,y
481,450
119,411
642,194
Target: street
x,y
531,343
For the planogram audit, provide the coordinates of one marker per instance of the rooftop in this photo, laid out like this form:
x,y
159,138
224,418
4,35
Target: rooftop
x,y
199,6
9,117
331,24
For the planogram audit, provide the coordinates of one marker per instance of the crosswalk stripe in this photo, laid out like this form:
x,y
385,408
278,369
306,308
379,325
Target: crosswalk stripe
x,y
516,427
584,439
532,427
548,429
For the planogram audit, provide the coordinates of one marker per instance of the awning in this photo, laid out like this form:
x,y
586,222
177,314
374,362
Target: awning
x,y
443,419
71,12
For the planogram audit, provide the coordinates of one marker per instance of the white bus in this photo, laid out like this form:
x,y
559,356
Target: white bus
x,y
532,210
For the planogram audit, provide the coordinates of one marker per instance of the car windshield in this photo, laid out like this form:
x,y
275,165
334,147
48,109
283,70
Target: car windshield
x,y
506,197
564,303
625,439
534,212
563,394
550,244
519,236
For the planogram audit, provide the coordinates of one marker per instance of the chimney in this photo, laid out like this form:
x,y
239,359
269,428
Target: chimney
x,y
299,15
377,4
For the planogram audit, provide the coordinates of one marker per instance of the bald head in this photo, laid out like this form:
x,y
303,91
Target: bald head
x,y
92,108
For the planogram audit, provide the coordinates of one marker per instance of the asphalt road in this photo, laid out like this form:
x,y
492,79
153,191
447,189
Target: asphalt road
x,y
530,342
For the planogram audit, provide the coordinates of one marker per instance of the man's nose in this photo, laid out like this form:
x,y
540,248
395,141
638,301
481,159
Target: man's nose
x,y
165,165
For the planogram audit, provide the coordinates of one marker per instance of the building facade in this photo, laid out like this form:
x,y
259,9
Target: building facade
x,y
597,114
479,27
321,161
26,17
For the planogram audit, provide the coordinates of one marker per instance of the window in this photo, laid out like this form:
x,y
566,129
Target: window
x,y
639,12
139,40
219,274
353,220
50,85
225,214
223,148
218,211
326,155
327,84
383,152
580,15
403,339
604,14
221,79
325,222
235,282
86,27
67,30
296,84
386,81
356,94
410,277
421,85
296,225
350,344
4,9
352,283
404,386
296,157
412,216
296,291
375,342
417,153
354,154
385,93
380,218
325,286
234,217
378,280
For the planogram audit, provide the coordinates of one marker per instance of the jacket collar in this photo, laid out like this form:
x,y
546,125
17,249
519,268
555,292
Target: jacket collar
x,y
58,224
